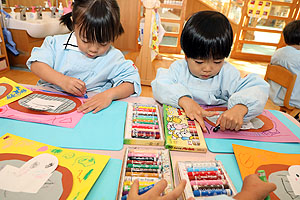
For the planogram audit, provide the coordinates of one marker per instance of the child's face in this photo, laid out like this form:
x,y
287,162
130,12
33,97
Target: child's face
x,y
204,69
91,50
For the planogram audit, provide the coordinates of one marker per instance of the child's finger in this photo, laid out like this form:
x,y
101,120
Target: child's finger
x,y
134,190
158,188
98,108
199,119
176,192
210,113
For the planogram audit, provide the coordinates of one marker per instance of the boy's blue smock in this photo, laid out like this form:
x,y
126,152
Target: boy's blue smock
x,y
227,87
289,58
99,74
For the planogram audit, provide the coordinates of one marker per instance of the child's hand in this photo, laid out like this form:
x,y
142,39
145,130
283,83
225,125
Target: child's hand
x,y
233,118
155,192
194,111
73,86
96,103
255,189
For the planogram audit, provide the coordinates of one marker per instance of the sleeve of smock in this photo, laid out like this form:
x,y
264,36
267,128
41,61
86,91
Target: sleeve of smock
x,y
251,91
126,71
45,53
166,88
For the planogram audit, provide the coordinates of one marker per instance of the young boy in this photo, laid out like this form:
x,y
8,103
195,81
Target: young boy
x,y
205,78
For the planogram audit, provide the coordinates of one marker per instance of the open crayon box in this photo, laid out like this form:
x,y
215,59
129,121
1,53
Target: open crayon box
x,y
143,125
205,179
181,133
148,165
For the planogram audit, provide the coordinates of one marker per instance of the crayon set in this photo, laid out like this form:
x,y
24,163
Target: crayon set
x,y
205,179
143,125
148,165
181,133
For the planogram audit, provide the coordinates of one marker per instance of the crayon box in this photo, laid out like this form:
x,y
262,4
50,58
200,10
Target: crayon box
x,y
148,165
143,125
181,133
205,179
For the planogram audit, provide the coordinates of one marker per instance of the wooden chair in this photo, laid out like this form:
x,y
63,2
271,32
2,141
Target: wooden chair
x,y
286,79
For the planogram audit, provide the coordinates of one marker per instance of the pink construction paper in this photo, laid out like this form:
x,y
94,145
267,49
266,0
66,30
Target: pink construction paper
x,y
68,120
279,133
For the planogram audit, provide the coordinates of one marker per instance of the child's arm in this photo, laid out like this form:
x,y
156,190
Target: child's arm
x,y
255,189
104,99
166,87
194,111
68,84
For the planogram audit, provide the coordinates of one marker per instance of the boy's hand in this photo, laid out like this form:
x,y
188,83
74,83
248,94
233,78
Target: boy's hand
x,y
155,192
73,86
194,111
233,118
96,103
255,189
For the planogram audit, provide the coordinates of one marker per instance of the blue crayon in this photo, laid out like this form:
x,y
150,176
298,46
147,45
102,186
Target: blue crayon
x,y
141,191
200,169
203,193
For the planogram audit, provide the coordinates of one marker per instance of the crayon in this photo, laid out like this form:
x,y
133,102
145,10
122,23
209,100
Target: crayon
x,y
207,177
262,176
145,117
216,128
201,193
145,134
143,158
210,187
143,174
142,154
205,173
145,122
208,182
141,191
144,166
142,162
145,126
146,179
143,170
141,183
199,169
137,113
145,109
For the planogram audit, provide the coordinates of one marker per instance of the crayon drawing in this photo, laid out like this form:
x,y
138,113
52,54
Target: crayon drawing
x,y
11,91
73,178
281,169
273,130
46,108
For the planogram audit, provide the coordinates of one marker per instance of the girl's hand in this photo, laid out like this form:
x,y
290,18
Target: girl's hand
x,y
96,103
194,111
232,119
155,192
73,86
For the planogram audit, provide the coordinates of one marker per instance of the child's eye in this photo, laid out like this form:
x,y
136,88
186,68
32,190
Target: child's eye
x,y
217,62
198,62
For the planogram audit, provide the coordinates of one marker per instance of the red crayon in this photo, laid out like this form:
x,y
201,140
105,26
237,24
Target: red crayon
x,y
145,126
142,162
205,173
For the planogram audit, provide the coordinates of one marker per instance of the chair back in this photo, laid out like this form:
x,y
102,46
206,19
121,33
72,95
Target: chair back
x,y
283,77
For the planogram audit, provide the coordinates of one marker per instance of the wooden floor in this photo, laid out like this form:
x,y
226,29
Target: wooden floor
x,y
163,60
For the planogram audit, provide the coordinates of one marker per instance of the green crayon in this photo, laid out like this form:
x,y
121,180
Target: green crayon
x,y
262,176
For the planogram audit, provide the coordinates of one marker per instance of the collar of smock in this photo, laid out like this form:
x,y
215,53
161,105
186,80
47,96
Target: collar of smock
x,y
71,42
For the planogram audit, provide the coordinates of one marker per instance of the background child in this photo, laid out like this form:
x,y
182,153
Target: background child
x,y
253,189
205,78
288,57
85,60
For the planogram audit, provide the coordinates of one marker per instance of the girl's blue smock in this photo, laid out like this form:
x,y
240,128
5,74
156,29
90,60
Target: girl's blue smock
x,y
227,87
99,74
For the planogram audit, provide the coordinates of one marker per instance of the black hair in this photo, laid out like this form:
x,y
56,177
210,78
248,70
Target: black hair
x,y
98,20
207,34
291,33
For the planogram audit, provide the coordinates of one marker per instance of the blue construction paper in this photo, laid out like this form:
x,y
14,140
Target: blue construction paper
x,y
103,130
106,186
232,169
225,145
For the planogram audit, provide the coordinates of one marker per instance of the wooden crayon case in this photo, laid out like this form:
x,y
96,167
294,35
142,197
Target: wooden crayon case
x,y
181,133
205,179
143,125
148,165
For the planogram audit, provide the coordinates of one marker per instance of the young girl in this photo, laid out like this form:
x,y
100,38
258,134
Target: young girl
x,y
85,60
205,78
288,57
